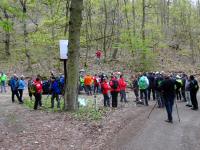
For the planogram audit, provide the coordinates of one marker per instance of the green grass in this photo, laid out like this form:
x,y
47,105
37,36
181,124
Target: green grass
x,y
83,113
46,102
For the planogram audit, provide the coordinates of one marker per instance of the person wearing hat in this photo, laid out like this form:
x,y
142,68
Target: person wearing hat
x,y
194,87
21,87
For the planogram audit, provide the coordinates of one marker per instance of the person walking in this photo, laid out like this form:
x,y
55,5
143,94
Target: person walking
x,y
122,86
114,84
14,88
21,87
168,92
105,91
38,93
157,82
3,82
55,92
194,87
143,86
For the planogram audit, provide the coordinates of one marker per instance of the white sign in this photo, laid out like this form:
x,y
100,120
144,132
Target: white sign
x,y
63,49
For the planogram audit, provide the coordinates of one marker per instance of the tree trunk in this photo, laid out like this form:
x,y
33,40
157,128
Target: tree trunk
x,y
7,36
105,29
66,16
143,20
71,89
27,53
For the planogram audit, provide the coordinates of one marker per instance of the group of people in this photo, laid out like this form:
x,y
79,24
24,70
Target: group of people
x,y
165,87
35,88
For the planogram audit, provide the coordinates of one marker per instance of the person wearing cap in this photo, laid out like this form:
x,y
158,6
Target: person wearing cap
x,y
105,91
194,87
21,87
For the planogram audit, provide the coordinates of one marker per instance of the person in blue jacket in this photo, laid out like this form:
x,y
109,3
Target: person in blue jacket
x,y
55,90
21,87
13,83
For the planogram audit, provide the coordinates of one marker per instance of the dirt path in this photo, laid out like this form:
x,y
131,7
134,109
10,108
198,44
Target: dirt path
x,y
155,134
22,128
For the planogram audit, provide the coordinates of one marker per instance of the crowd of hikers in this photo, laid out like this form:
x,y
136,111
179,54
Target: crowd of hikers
x,y
161,87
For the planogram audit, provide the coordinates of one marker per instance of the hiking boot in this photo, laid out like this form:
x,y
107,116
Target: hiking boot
x,y
194,108
169,121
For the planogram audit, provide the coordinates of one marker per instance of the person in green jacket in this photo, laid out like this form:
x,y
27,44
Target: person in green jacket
x,y
3,82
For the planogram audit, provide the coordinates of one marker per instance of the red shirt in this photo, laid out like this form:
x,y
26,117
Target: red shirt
x,y
98,54
105,88
122,84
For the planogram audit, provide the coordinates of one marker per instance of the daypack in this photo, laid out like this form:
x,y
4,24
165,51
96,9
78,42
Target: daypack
x,y
115,84
32,88
143,83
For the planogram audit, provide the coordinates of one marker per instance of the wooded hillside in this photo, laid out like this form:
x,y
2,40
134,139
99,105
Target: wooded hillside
x,y
145,33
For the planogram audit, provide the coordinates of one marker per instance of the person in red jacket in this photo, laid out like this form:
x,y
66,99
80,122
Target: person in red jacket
x,y
98,56
38,93
122,86
105,91
96,80
114,84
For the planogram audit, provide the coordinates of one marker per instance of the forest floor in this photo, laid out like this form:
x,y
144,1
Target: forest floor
x,y
124,128
24,128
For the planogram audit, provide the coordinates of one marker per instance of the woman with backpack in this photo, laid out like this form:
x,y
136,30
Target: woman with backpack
x,y
114,84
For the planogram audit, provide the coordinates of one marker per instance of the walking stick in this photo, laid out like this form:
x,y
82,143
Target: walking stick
x,y
152,109
177,112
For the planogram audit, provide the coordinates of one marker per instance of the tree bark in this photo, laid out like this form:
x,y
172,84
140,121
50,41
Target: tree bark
x,y
71,89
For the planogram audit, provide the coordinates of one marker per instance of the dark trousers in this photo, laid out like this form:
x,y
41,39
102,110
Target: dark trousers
x,y
20,94
169,102
57,99
178,94
151,90
96,88
38,100
88,89
183,94
123,96
136,92
15,92
193,95
143,93
159,99
106,100
114,95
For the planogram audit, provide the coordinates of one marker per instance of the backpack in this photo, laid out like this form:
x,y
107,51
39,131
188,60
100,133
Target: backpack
x,y
115,84
32,88
142,83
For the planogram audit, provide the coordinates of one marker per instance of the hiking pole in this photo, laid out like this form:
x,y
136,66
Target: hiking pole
x,y
177,112
152,109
